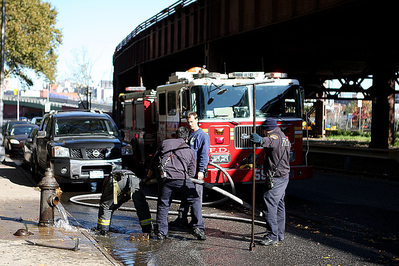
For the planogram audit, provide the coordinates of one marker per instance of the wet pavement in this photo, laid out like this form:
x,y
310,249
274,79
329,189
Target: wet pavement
x,y
328,223
19,209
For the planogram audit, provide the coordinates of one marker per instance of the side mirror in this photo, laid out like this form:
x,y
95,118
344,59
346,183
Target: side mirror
x,y
122,133
41,134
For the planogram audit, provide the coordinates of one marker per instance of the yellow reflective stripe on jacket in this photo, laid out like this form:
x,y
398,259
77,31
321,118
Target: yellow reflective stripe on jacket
x,y
117,190
146,222
103,222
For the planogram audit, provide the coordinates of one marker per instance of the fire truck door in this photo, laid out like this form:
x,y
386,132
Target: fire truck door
x,y
128,115
173,116
184,103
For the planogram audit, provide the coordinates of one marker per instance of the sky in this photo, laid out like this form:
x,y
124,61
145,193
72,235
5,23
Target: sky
x,y
99,26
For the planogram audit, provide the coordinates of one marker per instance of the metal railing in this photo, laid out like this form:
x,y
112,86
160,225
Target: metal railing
x,y
152,20
56,102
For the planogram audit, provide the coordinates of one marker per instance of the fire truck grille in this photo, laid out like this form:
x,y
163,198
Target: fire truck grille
x,y
240,143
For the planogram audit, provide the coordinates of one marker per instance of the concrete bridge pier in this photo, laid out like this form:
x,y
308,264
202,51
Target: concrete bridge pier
x,y
383,104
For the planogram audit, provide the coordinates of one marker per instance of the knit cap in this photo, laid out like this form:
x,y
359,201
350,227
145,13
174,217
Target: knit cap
x,y
269,124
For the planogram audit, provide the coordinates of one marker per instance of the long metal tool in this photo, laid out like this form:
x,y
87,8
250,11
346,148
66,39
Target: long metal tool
x,y
252,244
75,248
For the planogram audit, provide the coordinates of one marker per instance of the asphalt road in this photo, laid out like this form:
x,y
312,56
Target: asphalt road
x,y
332,219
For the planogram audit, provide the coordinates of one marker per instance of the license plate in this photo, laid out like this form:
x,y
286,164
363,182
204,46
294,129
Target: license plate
x,y
96,174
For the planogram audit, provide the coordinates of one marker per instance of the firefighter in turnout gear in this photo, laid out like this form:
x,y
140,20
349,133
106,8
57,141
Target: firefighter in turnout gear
x,y
118,188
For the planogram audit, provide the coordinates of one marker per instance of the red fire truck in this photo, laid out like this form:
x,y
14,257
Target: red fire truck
x,y
224,104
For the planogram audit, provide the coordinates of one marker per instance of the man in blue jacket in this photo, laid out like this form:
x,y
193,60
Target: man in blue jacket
x,y
199,142
179,164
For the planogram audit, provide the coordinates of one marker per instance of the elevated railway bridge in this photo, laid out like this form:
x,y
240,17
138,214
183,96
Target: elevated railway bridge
x,y
311,40
36,106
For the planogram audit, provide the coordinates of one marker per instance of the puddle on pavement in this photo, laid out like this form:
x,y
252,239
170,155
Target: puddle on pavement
x,y
126,251
124,223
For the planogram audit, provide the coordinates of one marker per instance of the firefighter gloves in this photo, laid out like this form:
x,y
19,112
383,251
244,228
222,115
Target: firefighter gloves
x,y
255,138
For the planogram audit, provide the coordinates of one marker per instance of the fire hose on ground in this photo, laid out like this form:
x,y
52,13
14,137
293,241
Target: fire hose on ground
x,y
78,200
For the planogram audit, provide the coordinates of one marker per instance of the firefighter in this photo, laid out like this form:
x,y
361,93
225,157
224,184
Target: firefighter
x,y
176,163
118,188
276,163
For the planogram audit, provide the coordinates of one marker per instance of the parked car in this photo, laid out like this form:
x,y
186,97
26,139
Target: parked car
x,y
37,120
14,140
7,126
80,146
28,148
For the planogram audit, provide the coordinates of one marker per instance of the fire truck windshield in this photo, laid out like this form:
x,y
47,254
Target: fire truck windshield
x,y
222,101
278,100
226,101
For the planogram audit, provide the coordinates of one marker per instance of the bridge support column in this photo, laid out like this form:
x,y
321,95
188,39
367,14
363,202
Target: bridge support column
x,y
383,105
117,106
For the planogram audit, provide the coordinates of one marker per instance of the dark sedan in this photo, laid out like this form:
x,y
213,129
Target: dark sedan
x,y
28,148
15,138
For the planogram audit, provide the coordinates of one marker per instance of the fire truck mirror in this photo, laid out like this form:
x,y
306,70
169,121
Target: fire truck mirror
x,y
222,91
210,100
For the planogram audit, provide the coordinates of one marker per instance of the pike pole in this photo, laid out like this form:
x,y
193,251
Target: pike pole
x,y
252,244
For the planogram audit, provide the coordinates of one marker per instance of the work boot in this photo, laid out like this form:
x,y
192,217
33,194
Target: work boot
x,y
149,229
161,236
101,232
267,241
181,221
199,233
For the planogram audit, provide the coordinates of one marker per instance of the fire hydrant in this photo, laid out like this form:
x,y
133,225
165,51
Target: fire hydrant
x,y
49,198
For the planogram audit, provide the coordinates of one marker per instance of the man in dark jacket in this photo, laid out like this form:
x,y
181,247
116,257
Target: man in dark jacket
x,y
277,155
179,164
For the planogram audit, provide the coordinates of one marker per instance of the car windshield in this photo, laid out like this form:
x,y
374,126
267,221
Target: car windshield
x,y
89,126
21,130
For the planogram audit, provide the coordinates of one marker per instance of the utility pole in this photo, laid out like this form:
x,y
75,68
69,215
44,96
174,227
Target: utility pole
x,y
3,23
3,37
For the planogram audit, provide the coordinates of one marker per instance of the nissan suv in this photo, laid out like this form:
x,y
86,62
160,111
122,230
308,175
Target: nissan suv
x,y
80,146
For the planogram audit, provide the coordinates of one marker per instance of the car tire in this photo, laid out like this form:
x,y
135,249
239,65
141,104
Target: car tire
x,y
34,169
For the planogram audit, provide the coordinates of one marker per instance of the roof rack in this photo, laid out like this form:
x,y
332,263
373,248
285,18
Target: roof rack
x,y
76,110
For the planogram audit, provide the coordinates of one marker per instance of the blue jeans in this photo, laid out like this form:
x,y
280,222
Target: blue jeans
x,y
274,211
187,189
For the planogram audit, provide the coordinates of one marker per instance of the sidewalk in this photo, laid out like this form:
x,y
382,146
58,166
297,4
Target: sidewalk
x,y
20,206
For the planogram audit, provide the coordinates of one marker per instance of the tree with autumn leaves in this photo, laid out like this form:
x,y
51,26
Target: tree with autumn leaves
x,y
31,40
364,113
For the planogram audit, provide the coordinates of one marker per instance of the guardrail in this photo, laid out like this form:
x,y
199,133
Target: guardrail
x,y
382,163
57,102
152,20
392,154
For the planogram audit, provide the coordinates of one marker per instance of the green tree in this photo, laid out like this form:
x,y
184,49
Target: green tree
x,y
31,40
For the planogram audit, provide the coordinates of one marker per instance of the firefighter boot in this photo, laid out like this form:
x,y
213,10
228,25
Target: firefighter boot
x,y
181,221
149,229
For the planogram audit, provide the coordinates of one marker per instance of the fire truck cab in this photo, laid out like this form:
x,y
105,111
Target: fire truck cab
x,y
140,122
224,104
